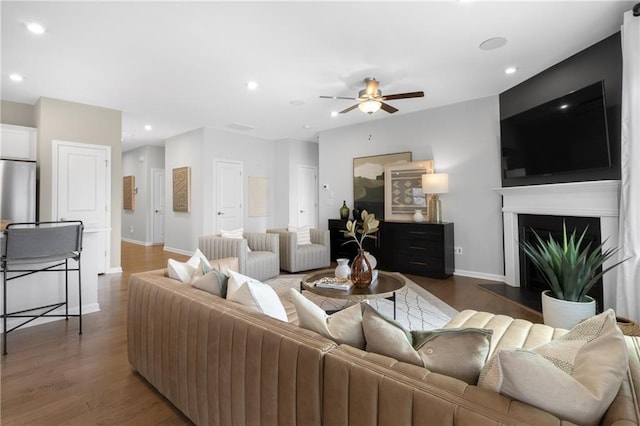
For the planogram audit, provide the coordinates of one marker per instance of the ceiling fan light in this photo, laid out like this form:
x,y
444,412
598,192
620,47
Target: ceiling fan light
x,y
369,106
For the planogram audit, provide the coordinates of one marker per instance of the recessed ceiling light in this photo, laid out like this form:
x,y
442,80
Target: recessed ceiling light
x,y
16,77
334,113
510,70
493,43
35,28
563,106
148,127
306,126
252,85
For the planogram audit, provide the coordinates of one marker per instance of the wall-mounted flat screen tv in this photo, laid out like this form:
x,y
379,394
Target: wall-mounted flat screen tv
x,y
566,134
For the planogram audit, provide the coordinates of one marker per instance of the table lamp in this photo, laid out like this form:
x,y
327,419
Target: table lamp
x,y
435,184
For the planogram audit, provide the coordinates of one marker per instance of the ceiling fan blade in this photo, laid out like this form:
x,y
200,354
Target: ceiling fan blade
x,y
337,97
352,107
403,96
388,108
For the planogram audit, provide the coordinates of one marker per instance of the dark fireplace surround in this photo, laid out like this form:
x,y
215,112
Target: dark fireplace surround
x,y
544,225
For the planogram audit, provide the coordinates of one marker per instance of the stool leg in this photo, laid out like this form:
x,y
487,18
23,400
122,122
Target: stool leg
x,y
79,296
4,317
66,289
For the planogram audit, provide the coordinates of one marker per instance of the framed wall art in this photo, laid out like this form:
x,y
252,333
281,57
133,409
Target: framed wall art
x,y
403,189
258,196
182,189
368,181
128,192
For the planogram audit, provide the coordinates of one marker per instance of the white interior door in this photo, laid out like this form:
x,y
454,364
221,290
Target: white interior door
x,y
228,195
81,188
307,196
157,205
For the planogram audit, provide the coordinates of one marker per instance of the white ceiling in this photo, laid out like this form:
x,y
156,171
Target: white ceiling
x,y
184,65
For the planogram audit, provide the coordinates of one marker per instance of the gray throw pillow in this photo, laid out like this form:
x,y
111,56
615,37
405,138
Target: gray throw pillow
x,y
459,353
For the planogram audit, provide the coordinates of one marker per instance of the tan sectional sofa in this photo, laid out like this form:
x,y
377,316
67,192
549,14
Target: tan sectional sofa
x,y
221,364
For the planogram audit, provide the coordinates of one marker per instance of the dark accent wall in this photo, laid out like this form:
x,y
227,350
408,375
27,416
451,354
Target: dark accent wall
x,y
602,61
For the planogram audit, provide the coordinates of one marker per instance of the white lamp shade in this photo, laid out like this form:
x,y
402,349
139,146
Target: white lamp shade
x,y
435,183
369,106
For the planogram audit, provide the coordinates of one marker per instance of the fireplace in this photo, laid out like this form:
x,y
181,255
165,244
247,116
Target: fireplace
x,y
595,199
545,225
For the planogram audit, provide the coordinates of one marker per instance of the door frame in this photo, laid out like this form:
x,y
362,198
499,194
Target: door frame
x,y
152,200
214,211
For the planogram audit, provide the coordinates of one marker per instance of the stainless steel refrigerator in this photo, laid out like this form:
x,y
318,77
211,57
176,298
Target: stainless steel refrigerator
x,y
17,191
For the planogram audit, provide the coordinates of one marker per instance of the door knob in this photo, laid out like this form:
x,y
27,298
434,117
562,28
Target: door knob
x,y
157,211
220,213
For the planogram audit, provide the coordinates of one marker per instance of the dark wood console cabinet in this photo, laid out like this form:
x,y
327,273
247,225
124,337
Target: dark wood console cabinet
x,y
424,249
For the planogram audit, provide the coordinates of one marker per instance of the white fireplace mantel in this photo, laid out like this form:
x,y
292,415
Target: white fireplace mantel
x,y
599,199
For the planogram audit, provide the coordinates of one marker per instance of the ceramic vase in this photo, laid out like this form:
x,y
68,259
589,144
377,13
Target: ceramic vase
x,y
361,271
342,270
417,216
344,211
565,314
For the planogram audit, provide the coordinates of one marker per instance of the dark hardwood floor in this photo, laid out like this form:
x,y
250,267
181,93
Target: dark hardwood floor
x,y
53,376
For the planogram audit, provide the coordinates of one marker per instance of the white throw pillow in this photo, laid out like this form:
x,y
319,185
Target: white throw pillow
x,y
344,326
303,234
234,233
575,377
191,270
256,295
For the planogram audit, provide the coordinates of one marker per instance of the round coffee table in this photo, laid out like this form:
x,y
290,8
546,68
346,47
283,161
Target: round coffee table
x,y
384,287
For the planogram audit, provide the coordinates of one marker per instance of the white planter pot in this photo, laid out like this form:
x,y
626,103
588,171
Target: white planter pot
x,y
564,314
418,217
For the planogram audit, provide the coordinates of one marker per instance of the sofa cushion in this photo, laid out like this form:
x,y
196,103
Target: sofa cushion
x,y
575,377
459,353
344,326
214,282
255,295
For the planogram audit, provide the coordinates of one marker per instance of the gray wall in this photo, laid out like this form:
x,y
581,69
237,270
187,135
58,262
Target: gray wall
x,y
463,141
139,162
198,149
18,114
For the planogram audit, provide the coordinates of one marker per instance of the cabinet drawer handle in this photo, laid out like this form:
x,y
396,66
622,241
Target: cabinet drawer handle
x,y
419,263
417,232
417,248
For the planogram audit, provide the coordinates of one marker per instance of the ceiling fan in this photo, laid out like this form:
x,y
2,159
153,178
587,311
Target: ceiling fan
x,y
371,99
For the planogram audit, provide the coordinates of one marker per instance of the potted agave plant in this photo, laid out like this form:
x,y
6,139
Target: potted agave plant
x,y
361,270
570,270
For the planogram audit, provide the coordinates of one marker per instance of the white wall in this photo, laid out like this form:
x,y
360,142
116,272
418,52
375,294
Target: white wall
x,y
139,162
463,140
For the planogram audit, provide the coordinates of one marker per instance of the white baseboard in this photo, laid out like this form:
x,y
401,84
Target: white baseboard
x,y
115,270
140,243
179,251
86,309
480,275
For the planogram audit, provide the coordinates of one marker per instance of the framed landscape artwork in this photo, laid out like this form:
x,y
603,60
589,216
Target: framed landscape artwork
x,y
368,180
182,189
403,189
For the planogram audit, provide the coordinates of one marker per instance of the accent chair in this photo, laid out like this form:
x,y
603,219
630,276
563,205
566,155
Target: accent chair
x,y
262,262
296,257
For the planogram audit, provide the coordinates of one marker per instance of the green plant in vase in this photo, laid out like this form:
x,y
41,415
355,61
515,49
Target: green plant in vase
x,y
359,231
569,269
